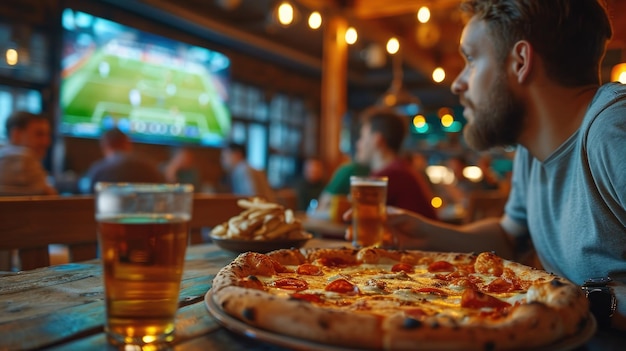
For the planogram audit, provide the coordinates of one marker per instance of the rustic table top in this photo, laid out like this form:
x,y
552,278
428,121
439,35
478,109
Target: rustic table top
x,y
62,308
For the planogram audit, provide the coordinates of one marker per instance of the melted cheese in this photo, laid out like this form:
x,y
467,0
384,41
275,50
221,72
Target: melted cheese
x,y
383,291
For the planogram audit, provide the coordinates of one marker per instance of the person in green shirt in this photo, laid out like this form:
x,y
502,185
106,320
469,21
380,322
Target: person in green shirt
x,y
329,204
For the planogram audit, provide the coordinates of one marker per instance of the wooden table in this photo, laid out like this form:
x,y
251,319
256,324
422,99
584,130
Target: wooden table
x,y
62,308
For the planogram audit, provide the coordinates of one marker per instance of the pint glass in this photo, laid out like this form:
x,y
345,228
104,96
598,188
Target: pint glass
x,y
369,196
143,234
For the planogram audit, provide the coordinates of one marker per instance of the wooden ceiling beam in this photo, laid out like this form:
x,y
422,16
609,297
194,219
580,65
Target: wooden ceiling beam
x,y
369,9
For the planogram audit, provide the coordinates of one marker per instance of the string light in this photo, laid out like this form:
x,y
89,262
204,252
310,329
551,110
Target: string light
x,y
419,121
285,13
351,35
439,75
423,14
393,46
315,20
11,57
447,120
436,202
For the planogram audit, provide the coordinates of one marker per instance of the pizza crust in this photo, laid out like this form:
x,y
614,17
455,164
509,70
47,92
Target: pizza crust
x,y
555,308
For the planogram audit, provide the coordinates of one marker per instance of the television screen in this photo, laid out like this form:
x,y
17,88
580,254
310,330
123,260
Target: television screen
x,y
155,89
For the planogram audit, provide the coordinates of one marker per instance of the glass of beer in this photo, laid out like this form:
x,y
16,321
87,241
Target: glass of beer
x,y
143,233
368,196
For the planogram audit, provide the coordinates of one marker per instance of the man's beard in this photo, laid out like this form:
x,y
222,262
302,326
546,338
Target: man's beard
x,y
498,121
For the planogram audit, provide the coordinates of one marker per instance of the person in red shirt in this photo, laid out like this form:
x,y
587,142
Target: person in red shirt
x,y
380,140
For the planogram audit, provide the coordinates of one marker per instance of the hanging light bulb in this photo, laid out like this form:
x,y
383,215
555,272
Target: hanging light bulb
x,y
423,14
11,57
393,45
285,13
439,75
351,36
315,20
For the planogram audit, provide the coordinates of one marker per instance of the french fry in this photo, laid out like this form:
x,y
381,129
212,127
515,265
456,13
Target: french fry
x,y
260,220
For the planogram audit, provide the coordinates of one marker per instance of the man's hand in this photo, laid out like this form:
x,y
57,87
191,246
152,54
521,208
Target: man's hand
x,y
402,229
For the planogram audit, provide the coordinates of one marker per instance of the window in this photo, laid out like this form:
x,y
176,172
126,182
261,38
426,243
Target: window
x,y
277,133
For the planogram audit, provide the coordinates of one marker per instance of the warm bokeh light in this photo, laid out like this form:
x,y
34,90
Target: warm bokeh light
x,y
419,121
351,35
439,75
393,46
315,20
436,202
473,173
285,13
447,120
618,73
11,57
438,174
423,14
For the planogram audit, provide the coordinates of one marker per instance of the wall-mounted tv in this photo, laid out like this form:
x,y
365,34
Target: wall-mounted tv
x,y
155,89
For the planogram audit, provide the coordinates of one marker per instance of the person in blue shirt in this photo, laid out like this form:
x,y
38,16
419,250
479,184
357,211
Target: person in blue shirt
x,y
532,79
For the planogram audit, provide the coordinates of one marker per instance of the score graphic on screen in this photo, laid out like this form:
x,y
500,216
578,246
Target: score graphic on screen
x,y
155,89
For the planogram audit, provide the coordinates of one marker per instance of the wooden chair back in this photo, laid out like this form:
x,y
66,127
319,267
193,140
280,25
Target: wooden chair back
x,y
484,204
30,224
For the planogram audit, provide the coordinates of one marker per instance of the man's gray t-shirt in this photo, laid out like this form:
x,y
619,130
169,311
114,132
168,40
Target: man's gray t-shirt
x,y
574,203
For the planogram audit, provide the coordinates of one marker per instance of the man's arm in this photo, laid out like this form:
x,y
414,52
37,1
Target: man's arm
x,y
414,231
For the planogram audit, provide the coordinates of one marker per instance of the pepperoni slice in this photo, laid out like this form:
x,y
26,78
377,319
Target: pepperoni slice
x,y
500,285
291,284
309,269
402,267
476,299
441,266
342,286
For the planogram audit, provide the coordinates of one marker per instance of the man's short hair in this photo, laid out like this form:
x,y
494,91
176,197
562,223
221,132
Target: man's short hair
x,y
21,120
391,125
240,148
114,138
570,36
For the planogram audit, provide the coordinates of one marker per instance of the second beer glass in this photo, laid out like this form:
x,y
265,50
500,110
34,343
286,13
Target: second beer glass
x,y
369,196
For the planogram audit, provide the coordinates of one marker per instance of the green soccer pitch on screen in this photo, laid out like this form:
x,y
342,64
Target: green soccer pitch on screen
x,y
155,89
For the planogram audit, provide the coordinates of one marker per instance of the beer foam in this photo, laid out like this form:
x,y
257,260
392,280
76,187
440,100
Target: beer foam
x,y
368,182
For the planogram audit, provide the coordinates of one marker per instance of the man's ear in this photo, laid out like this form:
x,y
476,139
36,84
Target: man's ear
x,y
521,64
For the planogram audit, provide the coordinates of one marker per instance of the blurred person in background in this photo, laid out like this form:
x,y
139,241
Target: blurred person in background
x,y
380,139
21,170
120,164
241,178
181,168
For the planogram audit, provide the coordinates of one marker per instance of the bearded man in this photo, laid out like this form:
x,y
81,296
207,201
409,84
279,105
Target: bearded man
x,y
531,79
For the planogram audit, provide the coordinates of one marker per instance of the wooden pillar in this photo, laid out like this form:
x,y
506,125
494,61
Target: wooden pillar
x,y
334,88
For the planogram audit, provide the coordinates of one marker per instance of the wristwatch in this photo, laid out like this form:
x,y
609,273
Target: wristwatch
x,y
602,301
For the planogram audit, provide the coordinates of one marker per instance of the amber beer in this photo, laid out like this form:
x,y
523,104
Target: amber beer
x,y
143,253
368,195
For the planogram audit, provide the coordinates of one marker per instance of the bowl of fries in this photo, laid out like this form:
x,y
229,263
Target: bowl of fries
x,y
260,227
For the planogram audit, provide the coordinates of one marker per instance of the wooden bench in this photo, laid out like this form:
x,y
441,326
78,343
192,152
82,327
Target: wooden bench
x,y
30,224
